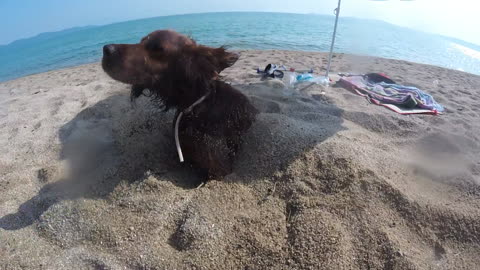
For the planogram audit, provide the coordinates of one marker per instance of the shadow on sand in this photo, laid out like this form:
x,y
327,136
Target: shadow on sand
x,y
114,141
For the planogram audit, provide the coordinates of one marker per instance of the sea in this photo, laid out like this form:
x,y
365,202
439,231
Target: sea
x,y
242,30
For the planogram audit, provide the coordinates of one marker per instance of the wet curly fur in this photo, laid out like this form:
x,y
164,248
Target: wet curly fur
x,y
177,72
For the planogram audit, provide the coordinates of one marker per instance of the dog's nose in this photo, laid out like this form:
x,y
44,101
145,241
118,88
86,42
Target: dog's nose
x,y
109,49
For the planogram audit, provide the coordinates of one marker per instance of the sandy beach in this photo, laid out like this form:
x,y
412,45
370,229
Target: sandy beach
x,y
325,180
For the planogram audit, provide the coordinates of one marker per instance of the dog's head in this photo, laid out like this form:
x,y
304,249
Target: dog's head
x,y
167,63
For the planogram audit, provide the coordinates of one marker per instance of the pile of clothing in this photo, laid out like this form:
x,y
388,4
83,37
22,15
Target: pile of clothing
x,y
383,91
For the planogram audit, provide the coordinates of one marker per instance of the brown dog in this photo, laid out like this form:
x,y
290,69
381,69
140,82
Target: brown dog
x,y
211,115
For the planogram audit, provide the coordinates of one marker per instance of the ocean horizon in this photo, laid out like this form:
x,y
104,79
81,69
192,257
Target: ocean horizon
x,y
242,31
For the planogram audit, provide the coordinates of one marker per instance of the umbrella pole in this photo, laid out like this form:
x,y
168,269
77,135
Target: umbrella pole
x,y
337,12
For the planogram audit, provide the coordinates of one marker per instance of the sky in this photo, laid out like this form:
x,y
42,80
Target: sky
x,y
27,18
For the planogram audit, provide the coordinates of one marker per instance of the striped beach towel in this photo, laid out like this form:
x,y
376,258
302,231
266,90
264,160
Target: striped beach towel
x,y
383,91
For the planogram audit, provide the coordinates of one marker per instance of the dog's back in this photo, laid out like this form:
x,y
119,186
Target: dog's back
x,y
212,134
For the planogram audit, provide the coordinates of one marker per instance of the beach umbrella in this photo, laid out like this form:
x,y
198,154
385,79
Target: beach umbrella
x,y
337,13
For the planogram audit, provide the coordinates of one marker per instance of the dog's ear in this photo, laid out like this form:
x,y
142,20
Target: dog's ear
x,y
224,58
201,64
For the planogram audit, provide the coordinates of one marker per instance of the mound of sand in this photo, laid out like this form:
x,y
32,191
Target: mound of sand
x,y
91,181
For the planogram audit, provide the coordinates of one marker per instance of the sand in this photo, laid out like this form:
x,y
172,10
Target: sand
x,y
323,181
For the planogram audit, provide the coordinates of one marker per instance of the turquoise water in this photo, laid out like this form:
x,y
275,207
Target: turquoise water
x,y
242,31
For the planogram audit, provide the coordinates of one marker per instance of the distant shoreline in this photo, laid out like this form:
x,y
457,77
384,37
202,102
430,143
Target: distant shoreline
x,y
79,28
289,51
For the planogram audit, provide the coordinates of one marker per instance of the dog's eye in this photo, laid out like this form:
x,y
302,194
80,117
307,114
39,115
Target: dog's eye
x,y
154,47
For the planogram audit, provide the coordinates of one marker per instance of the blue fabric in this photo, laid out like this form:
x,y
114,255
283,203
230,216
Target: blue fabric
x,y
424,100
391,93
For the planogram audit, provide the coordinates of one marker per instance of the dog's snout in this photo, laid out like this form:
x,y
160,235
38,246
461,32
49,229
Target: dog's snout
x,y
109,49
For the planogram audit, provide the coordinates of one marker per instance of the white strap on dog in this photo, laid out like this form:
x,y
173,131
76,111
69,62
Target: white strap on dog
x,y
186,111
